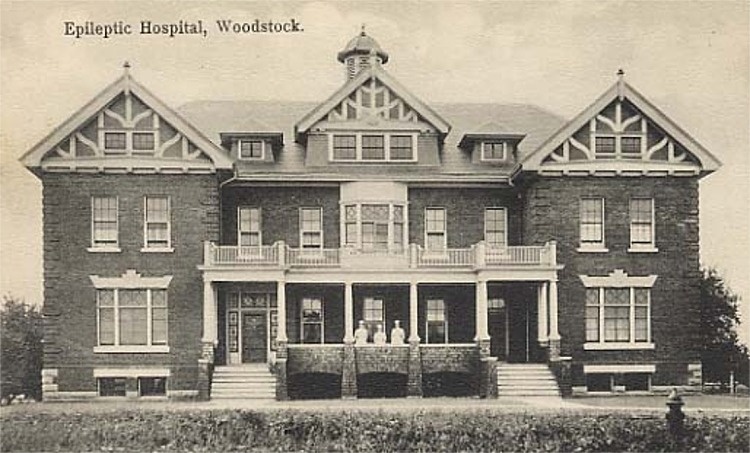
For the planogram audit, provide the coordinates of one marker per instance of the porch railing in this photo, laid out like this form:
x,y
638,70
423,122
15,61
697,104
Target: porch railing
x,y
478,256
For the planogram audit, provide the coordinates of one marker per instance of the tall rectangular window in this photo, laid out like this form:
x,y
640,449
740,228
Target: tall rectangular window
x,y
248,222
157,222
344,147
311,228
373,314
350,224
373,147
402,147
592,222
616,315
592,314
398,227
435,235
104,222
437,331
495,227
312,320
251,149
642,223
641,304
375,219
132,317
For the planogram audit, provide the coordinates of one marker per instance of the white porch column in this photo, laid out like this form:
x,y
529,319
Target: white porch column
x,y
542,328
481,311
281,311
209,314
413,313
348,313
554,335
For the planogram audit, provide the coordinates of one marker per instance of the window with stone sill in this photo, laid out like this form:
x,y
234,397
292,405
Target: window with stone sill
x,y
618,315
132,317
642,224
157,224
592,223
104,222
374,227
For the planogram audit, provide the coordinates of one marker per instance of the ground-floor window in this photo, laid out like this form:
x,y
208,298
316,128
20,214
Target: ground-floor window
x,y
437,325
112,386
312,320
599,382
132,317
373,314
618,315
152,386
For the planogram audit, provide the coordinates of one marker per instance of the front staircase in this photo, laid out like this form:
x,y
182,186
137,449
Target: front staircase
x,y
526,379
243,382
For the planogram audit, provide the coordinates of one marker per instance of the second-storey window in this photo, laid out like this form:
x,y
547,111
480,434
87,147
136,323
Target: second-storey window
x,y
495,227
375,226
642,223
157,222
248,223
435,237
312,320
132,317
592,222
437,326
104,222
311,228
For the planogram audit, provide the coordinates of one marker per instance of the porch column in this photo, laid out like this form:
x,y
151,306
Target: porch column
x,y
481,311
348,313
281,312
210,337
554,335
542,328
413,313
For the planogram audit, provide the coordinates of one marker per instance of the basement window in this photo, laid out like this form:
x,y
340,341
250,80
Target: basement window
x,y
599,382
152,386
111,386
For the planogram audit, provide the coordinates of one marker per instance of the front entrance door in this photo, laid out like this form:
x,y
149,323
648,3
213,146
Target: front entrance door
x,y
498,326
253,337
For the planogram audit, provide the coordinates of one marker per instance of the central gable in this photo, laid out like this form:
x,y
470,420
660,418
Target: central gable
x,y
372,100
126,129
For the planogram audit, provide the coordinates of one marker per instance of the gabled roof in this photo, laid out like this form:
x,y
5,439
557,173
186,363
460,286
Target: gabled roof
x,y
304,125
33,157
622,90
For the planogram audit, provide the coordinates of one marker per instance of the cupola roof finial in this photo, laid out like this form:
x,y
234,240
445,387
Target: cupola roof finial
x,y
126,67
362,32
620,82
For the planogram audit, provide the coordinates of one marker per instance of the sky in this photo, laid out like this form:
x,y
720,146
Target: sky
x,y
689,58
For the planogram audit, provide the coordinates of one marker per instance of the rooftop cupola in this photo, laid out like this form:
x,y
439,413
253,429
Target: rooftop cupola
x,y
361,53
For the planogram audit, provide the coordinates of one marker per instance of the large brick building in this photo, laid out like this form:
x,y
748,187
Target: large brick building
x,y
269,248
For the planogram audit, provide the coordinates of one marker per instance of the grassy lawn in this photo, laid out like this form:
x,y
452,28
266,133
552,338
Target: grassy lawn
x,y
702,402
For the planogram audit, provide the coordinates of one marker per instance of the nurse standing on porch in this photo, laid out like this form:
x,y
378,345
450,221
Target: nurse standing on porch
x,y
361,334
379,336
397,333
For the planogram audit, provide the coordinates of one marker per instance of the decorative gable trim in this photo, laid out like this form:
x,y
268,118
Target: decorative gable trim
x,y
62,140
554,156
131,280
618,279
374,72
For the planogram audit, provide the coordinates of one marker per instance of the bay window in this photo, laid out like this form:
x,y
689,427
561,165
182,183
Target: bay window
x,y
374,226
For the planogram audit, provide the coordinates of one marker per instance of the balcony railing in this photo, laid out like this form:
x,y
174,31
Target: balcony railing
x,y
478,256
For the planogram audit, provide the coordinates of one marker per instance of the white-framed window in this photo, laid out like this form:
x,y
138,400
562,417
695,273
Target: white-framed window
x,y
592,223
374,226
249,232
115,142
251,149
373,314
494,150
373,147
436,322
496,227
104,222
124,141
156,223
312,320
618,315
620,146
642,223
311,228
131,317
435,229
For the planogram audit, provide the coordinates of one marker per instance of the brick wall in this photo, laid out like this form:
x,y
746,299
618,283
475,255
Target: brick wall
x,y
464,212
315,359
454,359
69,297
552,212
280,212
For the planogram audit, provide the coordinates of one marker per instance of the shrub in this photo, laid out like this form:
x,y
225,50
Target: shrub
x,y
362,431
21,353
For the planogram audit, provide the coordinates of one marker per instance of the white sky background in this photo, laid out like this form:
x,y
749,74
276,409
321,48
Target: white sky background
x,y
689,58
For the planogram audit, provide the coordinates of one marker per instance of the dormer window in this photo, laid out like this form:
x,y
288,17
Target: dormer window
x,y
251,149
494,150
373,147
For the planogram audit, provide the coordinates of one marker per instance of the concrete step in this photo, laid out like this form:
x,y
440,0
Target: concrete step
x,y
244,396
243,378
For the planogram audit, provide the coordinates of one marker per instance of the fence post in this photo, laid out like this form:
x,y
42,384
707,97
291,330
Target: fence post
x,y
675,416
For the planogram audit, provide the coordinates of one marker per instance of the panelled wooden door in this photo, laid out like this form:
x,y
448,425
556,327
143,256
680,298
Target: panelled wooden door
x,y
497,323
253,337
